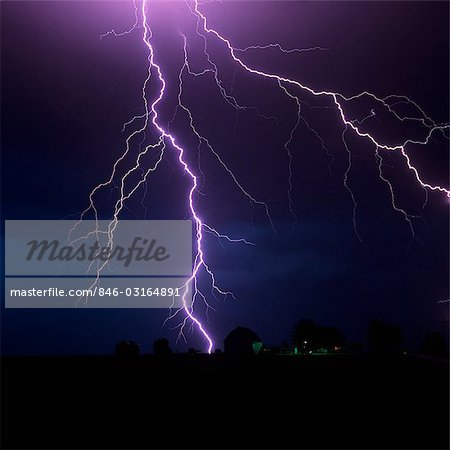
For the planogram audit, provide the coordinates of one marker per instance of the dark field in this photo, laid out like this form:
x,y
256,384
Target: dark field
x,y
218,402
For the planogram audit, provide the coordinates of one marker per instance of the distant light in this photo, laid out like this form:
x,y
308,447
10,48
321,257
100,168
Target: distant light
x,y
257,346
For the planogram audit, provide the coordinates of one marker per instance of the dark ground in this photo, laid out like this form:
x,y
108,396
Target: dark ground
x,y
198,401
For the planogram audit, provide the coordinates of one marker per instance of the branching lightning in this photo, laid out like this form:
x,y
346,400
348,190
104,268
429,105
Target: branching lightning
x,y
165,139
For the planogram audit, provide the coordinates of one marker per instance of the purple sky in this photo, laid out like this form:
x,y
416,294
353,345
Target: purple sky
x,y
66,94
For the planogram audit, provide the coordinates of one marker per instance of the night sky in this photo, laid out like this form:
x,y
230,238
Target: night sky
x,y
66,93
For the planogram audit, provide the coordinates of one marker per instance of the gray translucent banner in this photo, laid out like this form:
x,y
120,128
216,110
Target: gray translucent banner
x,y
106,293
128,247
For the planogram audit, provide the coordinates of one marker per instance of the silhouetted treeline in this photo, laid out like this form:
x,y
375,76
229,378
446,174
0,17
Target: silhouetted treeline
x,y
434,345
308,336
383,337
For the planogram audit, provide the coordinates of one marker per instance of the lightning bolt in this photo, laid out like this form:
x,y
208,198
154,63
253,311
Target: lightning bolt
x,y
165,139
338,99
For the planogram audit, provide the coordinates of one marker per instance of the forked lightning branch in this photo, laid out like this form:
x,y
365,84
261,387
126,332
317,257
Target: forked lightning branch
x,y
167,139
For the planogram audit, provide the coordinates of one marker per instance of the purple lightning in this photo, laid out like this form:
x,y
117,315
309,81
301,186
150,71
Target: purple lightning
x,y
335,96
165,138
199,259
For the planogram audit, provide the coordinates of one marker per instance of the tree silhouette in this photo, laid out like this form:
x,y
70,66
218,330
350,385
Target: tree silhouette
x,y
383,337
434,345
127,349
192,351
308,336
161,347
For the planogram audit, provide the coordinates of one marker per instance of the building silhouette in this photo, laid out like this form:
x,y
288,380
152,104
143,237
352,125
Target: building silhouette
x,y
242,341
